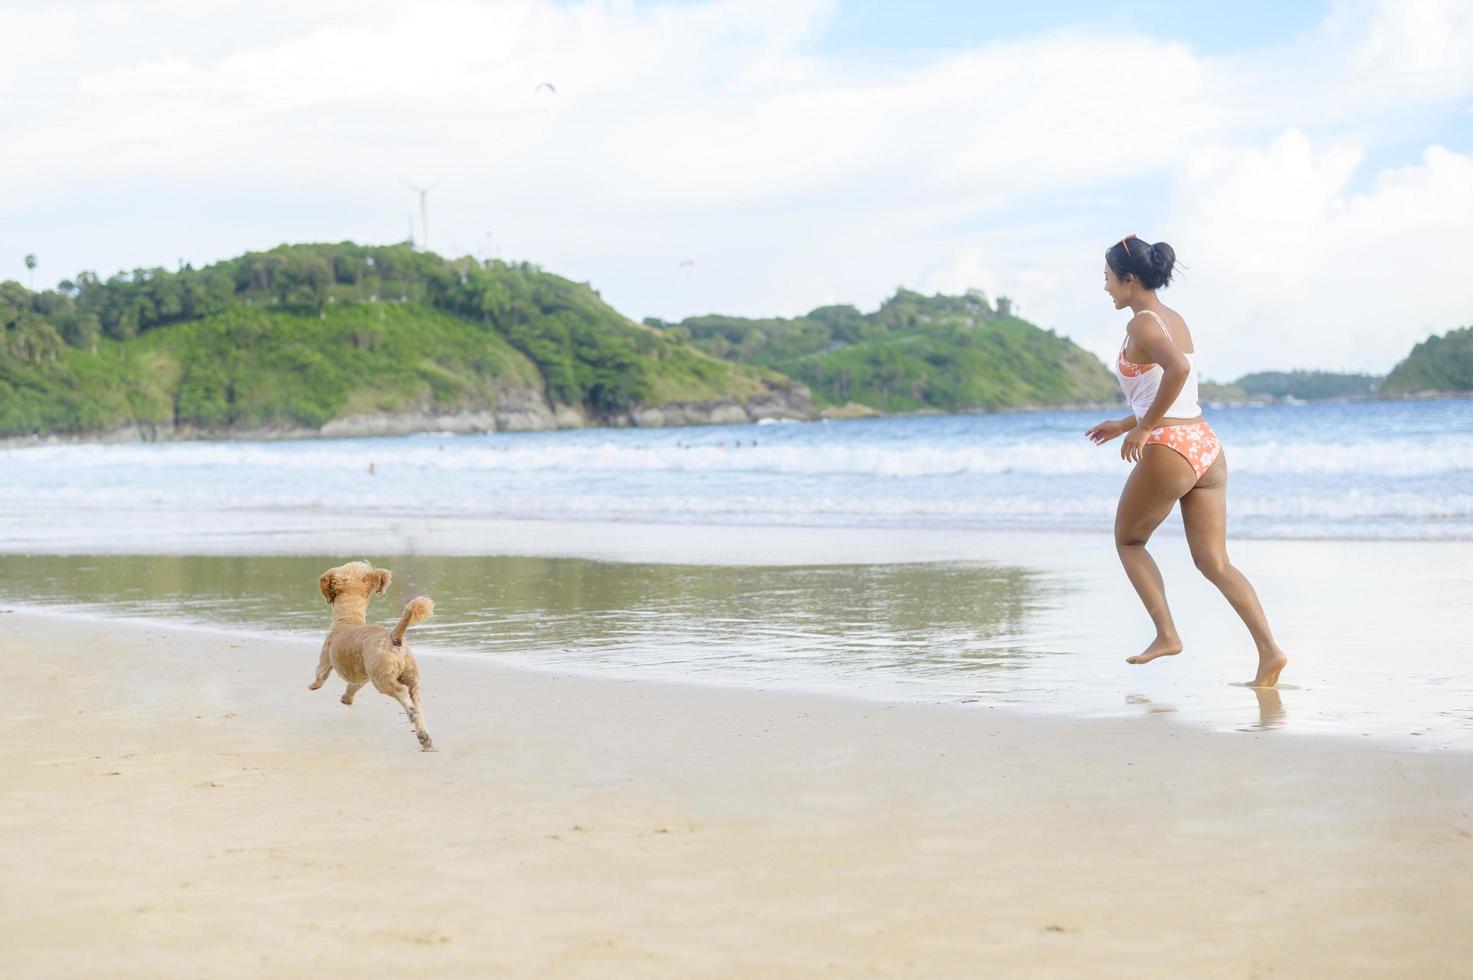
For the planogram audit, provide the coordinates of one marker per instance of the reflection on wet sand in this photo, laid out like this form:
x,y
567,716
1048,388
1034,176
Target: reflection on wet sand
x,y
1149,706
905,623
1271,713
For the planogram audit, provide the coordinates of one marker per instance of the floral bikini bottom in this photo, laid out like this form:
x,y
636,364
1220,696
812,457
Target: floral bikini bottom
x,y
1195,441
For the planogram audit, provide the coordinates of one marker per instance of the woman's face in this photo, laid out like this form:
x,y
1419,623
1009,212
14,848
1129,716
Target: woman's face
x,y
1119,291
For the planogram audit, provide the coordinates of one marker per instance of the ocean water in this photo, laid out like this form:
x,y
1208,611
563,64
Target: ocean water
x,y
1396,470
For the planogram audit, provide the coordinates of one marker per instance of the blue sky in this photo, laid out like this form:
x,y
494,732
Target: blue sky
x,y
922,25
1311,162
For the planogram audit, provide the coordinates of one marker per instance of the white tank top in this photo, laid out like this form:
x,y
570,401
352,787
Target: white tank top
x,y
1140,382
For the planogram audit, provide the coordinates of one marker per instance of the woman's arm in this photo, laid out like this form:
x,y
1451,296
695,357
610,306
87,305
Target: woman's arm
x,y
1147,333
1109,429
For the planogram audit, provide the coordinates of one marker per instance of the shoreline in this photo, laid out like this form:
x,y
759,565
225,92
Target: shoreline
x,y
313,531
199,809
482,422
431,653
566,418
1032,624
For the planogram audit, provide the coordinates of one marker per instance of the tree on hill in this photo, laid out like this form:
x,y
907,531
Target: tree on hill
x,y
1439,363
298,335
914,352
1308,384
587,351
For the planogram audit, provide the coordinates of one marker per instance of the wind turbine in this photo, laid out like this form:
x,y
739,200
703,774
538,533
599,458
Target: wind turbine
x,y
424,211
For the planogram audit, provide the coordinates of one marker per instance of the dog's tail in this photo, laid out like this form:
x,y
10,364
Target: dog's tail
x,y
417,611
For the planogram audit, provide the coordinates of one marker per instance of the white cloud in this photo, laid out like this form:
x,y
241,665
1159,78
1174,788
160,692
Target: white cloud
x,y
968,269
1301,271
713,132
1427,43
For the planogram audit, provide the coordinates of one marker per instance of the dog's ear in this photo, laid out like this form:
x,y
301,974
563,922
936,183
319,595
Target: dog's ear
x,y
379,578
327,586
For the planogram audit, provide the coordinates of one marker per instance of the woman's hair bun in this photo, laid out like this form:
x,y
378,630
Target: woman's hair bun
x,y
1163,256
1151,264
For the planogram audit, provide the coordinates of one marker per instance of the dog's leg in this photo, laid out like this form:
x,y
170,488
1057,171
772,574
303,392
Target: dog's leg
x,y
352,691
324,667
419,711
401,693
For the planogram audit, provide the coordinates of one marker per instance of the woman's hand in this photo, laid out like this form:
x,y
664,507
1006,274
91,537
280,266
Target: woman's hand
x,y
1134,445
1106,431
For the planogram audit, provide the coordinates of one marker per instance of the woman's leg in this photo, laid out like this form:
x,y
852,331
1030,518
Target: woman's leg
x,y
1204,512
1152,489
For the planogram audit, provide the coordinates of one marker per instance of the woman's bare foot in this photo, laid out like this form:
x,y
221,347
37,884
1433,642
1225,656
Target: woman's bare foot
x,y
1269,669
1160,647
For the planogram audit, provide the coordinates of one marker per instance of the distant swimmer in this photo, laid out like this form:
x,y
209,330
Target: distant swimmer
x,y
1177,456
370,469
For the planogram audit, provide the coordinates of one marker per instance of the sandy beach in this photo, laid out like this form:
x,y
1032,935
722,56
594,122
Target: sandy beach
x,y
754,462
177,804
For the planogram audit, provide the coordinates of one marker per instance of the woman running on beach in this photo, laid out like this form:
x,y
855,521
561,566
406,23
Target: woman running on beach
x,y
1177,456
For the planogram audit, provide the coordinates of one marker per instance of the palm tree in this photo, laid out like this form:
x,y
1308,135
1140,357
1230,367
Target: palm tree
x,y
31,268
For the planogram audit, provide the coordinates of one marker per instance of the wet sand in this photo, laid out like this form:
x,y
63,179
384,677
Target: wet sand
x,y
1377,631
177,804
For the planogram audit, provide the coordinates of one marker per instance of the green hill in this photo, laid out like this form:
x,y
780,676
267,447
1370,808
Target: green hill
x,y
305,335
1308,384
1437,364
915,352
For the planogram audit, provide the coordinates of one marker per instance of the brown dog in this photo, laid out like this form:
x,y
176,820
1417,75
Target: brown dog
x,y
361,653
